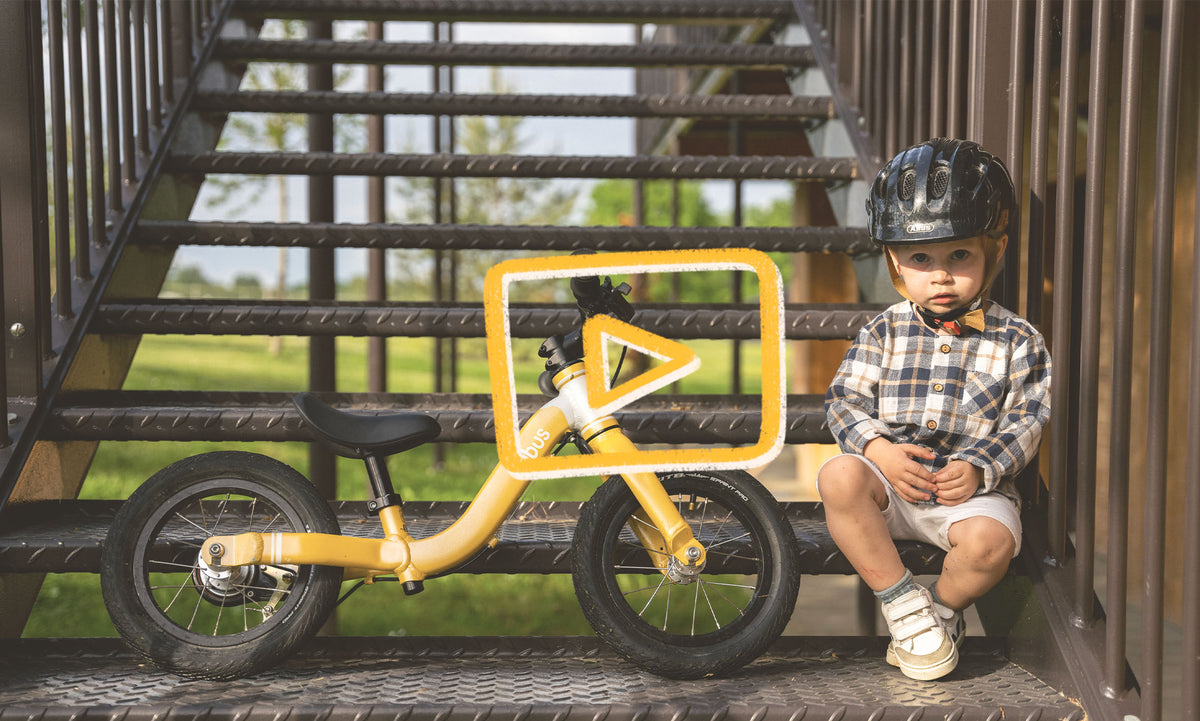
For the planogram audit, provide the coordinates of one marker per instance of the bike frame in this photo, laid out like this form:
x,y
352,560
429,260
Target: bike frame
x,y
662,530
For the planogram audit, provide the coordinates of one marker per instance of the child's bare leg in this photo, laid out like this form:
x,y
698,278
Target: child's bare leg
x,y
980,550
854,501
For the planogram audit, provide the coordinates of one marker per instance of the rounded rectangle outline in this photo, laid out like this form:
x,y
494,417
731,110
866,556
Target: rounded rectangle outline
x,y
503,386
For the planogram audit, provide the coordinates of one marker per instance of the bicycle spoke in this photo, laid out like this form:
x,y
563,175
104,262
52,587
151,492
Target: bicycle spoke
x,y
652,595
728,540
710,608
197,526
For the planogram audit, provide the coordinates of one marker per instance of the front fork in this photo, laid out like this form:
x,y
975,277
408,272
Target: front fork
x,y
657,524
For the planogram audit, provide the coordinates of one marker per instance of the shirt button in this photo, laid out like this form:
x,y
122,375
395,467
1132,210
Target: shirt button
x,y
931,425
945,348
938,387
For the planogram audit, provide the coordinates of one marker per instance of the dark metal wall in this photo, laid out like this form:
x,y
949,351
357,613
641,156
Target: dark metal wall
x,y
1094,106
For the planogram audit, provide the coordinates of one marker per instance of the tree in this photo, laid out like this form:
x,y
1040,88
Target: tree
x,y
481,201
275,132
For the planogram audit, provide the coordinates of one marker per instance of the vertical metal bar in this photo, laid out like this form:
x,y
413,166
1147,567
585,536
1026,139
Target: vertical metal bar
x,y
166,26
892,52
937,75
5,438
128,157
439,348
1011,279
141,109
111,78
955,103
58,177
856,64
24,224
1122,333
321,276
904,134
186,32
95,122
1038,161
879,112
376,213
736,142
920,74
452,212
155,87
83,258
1159,370
1064,253
1089,342
1190,652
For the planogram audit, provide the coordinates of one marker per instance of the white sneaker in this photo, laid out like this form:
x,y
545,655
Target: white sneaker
x,y
952,620
925,635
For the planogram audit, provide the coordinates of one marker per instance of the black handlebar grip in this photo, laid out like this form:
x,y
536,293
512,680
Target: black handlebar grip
x,y
585,287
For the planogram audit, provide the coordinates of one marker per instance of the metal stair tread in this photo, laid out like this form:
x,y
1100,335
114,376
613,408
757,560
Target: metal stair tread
x,y
755,56
822,239
613,11
770,107
447,165
67,536
460,320
539,678
464,417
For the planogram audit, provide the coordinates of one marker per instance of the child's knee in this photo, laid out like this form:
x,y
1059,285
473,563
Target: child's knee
x,y
984,542
846,479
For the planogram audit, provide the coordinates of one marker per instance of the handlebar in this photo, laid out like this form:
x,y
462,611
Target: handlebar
x,y
597,297
594,297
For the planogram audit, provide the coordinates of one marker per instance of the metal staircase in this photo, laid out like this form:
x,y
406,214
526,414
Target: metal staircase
x,y
764,43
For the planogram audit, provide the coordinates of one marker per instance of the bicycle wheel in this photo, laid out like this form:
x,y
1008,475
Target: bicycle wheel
x,y
673,625
207,621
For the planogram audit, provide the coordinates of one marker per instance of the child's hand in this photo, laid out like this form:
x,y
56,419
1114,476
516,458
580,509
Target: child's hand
x,y
957,482
898,462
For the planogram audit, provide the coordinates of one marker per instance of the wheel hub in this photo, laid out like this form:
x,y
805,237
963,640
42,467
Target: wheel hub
x,y
225,585
683,573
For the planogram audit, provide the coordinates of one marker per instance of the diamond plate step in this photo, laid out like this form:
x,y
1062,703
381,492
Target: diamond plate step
x,y
66,536
501,237
464,417
518,679
462,320
443,165
759,107
609,11
646,55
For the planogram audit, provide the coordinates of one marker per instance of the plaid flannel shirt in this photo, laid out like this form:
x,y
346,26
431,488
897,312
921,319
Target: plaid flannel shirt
x,y
982,397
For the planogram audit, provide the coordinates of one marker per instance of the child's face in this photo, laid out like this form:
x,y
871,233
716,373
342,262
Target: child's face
x,y
941,277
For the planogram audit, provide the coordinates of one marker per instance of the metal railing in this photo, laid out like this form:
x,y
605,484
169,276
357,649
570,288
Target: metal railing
x,y
89,92
1011,75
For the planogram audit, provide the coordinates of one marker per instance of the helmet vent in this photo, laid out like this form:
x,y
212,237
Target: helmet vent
x,y
939,181
908,184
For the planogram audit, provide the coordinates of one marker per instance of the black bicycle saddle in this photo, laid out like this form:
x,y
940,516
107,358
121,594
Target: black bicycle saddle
x,y
358,436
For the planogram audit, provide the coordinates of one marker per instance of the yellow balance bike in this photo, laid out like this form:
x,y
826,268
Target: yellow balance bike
x,y
222,564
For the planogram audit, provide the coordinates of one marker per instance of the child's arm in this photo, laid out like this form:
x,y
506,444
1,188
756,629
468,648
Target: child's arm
x,y
851,408
1023,416
850,402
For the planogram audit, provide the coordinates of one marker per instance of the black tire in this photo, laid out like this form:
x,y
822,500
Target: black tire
x,y
737,608
186,619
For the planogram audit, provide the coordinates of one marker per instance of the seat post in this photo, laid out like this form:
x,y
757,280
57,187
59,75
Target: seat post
x,y
381,484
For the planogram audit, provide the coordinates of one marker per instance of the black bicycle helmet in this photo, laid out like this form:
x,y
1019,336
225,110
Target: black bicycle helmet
x,y
942,189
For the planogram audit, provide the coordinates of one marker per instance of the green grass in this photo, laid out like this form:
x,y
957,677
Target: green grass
x,y
70,605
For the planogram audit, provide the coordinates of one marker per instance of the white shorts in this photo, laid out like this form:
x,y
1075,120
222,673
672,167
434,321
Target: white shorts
x,y
931,523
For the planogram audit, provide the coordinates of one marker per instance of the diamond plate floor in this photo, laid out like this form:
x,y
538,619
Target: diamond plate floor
x,y
446,679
